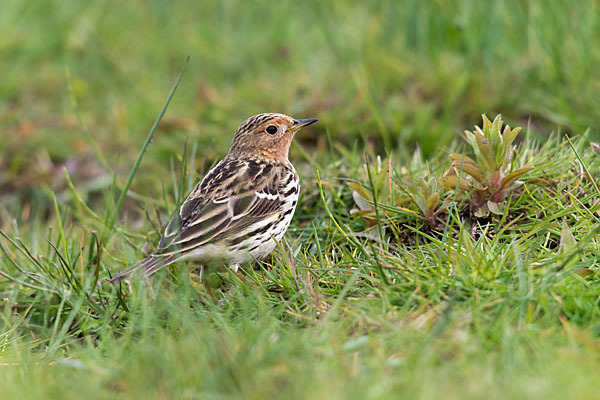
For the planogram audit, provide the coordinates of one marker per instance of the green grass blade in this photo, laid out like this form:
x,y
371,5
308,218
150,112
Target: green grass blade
x,y
115,212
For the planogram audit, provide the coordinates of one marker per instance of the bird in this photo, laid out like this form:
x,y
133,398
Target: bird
x,y
241,208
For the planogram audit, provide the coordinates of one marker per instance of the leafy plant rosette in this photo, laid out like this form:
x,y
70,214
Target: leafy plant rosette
x,y
491,177
418,198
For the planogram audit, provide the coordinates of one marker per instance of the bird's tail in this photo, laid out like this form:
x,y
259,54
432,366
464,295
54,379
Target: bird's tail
x,y
148,266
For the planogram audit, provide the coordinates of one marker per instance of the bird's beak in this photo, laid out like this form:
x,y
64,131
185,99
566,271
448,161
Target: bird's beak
x,y
300,123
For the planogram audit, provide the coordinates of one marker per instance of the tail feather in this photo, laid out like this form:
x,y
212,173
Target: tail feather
x,y
153,267
148,266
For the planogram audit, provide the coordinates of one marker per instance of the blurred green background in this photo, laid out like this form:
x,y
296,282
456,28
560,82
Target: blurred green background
x,y
399,73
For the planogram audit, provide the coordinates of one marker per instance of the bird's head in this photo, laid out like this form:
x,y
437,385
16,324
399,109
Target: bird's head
x,y
267,136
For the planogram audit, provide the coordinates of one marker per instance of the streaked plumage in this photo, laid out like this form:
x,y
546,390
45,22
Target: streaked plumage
x,y
242,206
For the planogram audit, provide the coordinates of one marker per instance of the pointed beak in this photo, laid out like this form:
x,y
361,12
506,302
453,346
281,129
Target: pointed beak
x,y
301,123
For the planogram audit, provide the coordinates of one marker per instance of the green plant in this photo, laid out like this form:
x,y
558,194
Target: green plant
x,y
492,176
380,189
425,195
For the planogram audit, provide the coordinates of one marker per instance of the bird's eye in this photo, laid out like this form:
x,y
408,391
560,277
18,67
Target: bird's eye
x,y
271,129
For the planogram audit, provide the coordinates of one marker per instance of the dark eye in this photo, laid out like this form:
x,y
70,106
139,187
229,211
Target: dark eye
x,y
271,129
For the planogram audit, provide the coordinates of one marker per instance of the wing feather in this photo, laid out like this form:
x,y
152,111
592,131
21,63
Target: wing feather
x,y
250,198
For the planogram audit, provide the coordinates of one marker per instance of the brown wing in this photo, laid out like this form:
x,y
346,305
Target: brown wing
x,y
233,196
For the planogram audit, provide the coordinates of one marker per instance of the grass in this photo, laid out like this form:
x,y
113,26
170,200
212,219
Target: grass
x,y
389,282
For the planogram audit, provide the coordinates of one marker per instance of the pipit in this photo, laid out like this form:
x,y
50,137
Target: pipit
x,y
243,205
